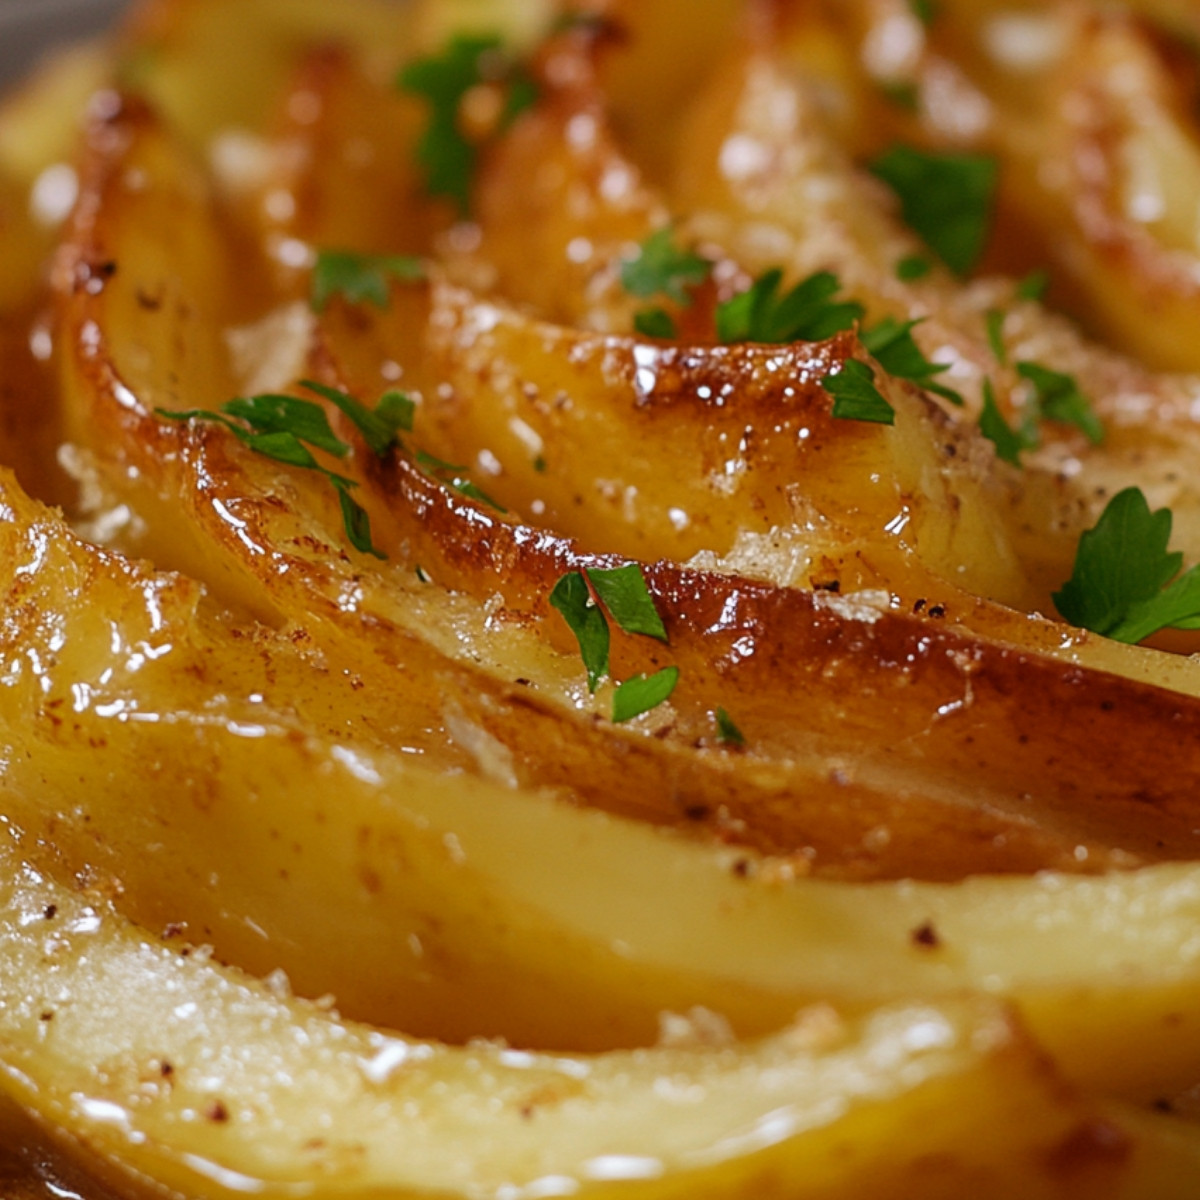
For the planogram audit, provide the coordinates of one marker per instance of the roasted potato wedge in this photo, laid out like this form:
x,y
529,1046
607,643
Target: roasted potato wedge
x,y
334,857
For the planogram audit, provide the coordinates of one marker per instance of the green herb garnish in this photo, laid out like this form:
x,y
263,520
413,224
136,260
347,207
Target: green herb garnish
x,y
454,476
378,426
448,156
994,319
1009,442
1122,586
583,598
655,323
807,312
662,268
623,591
1058,398
728,734
891,344
925,11
946,198
573,598
642,693
913,267
1034,285
855,396
283,427
359,277
903,93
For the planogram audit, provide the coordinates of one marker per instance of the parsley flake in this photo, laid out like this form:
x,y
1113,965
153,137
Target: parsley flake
x,y
447,154
926,11
360,278
282,427
903,93
623,591
728,734
1121,586
572,597
655,323
913,267
642,693
994,319
891,344
855,396
379,426
946,198
1058,398
453,476
660,268
583,598
807,312
1034,285
1009,442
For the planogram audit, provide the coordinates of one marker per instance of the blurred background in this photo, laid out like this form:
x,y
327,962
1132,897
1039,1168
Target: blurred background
x,y
28,27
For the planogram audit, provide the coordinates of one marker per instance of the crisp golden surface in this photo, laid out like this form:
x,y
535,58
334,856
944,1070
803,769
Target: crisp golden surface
x,y
324,873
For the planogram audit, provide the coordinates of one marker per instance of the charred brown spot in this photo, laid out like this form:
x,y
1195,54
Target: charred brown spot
x,y
926,936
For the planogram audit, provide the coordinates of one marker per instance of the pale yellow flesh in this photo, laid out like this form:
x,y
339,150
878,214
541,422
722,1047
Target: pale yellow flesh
x,y
206,1082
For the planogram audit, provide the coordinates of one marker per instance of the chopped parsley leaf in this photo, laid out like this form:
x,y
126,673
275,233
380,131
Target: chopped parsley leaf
x,y
642,693
1034,285
623,591
946,198
728,734
454,476
807,312
270,413
655,323
1122,586
1058,398
583,598
994,320
1009,442
282,428
891,344
855,396
913,267
359,277
903,93
446,153
379,426
661,268
572,597
925,11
